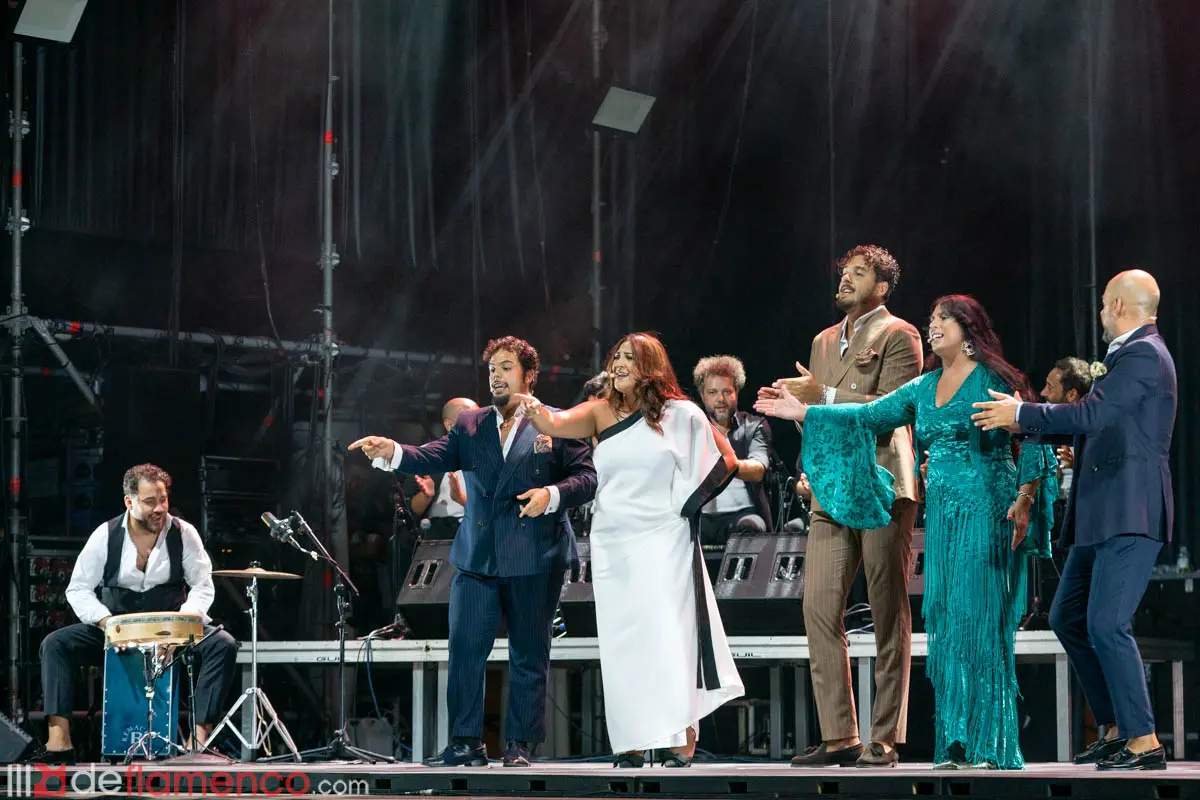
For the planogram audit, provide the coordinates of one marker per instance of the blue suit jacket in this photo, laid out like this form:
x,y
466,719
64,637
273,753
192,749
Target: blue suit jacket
x,y
1122,431
492,539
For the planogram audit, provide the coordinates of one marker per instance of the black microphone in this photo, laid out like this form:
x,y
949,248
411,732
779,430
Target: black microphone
x,y
279,528
284,530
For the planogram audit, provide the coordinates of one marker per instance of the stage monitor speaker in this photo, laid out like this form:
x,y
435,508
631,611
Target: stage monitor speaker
x,y
152,415
577,601
424,597
760,586
13,741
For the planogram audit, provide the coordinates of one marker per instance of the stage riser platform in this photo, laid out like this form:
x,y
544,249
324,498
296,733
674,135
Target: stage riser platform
x,y
569,780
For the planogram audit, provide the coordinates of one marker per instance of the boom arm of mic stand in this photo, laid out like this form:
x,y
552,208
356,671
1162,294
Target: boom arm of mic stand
x,y
325,555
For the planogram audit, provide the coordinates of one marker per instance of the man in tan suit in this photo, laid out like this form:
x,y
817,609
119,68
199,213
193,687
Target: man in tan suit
x,y
866,355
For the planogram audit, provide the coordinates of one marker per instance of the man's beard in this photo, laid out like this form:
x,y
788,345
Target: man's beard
x,y
720,416
149,527
844,302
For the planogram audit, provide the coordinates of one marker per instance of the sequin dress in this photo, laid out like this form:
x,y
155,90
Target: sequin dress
x,y
974,583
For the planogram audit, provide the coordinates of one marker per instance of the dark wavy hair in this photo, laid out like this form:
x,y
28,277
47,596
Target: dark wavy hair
x,y
981,335
1076,374
527,355
150,473
656,379
879,259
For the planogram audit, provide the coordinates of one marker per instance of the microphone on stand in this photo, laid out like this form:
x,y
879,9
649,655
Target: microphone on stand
x,y
281,530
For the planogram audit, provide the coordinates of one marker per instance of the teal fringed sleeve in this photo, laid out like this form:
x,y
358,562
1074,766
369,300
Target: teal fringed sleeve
x,y
1038,463
839,456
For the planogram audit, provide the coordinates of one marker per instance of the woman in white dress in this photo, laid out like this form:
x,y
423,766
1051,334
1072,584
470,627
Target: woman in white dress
x,y
664,658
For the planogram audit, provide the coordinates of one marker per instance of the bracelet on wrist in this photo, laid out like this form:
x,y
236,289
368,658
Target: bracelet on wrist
x,y
1026,495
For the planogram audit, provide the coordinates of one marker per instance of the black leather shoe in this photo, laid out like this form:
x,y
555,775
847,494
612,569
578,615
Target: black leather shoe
x,y
518,754
1126,760
460,755
44,756
876,755
1099,750
822,756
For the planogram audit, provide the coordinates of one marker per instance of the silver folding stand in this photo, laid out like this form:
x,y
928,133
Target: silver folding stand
x,y
263,718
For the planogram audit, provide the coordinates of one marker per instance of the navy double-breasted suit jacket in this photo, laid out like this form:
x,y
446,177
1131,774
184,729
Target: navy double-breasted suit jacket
x,y
493,540
1122,436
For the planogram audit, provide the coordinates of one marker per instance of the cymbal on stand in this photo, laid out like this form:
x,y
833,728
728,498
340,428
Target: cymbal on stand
x,y
254,572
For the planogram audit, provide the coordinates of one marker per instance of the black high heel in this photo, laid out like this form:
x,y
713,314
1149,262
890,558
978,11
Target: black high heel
x,y
675,760
629,760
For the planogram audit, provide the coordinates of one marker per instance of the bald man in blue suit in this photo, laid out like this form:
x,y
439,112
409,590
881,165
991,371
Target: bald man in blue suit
x,y
1118,517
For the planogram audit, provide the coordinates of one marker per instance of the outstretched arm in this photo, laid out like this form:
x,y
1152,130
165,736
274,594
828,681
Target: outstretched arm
x,y
574,423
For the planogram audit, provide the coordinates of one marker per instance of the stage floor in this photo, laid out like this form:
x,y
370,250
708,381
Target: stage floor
x,y
195,776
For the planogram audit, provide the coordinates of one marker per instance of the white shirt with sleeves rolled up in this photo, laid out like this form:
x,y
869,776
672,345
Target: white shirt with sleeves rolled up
x,y
88,572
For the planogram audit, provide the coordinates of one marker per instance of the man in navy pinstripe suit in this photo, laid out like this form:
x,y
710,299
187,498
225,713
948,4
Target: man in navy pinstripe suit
x,y
511,551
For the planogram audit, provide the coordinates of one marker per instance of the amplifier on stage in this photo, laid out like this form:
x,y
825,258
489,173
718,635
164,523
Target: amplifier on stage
x,y
577,601
760,585
424,597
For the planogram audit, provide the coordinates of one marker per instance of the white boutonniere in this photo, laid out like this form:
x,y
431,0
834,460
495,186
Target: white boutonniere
x,y
1097,369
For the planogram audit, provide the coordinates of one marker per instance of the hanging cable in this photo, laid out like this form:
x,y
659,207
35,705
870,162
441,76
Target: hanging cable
x,y
737,142
258,225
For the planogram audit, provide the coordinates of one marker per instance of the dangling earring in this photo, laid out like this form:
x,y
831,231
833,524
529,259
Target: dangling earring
x,y
968,349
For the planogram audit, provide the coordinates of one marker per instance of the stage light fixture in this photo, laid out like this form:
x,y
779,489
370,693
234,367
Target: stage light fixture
x,y
50,19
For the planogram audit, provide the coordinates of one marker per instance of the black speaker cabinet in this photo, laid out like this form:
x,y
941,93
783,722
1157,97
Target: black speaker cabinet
x,y
13,741
424,597
760,586
577,601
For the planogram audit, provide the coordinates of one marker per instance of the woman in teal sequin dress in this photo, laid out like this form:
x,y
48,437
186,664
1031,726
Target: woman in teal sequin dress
x,y
986,514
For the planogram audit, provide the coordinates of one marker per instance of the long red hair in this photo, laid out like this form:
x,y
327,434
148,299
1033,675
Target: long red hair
x,y
656,383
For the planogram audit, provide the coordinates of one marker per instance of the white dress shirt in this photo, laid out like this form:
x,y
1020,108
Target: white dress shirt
x,y
830,395
444,504
88,573
497,417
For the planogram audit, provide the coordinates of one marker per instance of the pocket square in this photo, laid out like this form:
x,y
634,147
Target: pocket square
x,y
865,357
543,444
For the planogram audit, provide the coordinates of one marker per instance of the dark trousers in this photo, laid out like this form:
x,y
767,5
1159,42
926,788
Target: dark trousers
x,y
476,603
715,529
1098,593
82,645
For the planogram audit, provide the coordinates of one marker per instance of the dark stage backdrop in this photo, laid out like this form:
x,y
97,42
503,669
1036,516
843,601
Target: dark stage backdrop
x,y
994,146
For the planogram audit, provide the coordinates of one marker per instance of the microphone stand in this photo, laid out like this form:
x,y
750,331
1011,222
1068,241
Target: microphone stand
x,y
339,748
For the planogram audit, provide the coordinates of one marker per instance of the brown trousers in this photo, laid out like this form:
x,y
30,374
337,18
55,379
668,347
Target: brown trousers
x,y
834,553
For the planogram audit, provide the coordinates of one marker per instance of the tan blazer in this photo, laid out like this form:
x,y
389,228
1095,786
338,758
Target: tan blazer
x,y
883,355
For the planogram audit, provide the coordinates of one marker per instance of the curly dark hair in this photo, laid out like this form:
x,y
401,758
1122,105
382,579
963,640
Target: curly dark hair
x,y
1076,374
526,354
656,379
981,335
878,259
596,386
150,473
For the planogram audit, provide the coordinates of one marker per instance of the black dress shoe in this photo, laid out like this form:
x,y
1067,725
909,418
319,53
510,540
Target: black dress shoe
x,y
1126,760
822,756
44,756
518,754
1099,750
876,755
460,754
